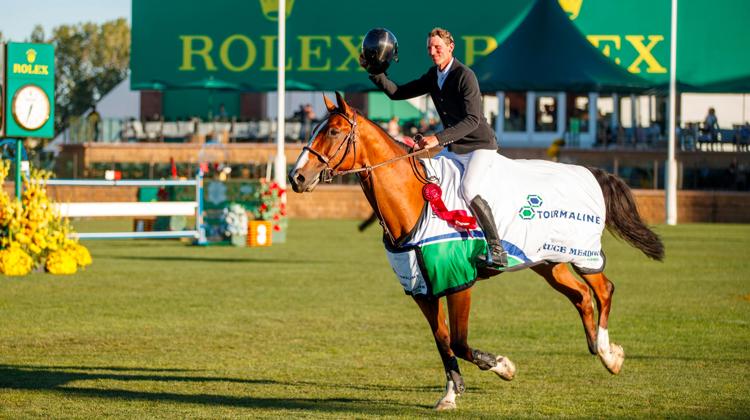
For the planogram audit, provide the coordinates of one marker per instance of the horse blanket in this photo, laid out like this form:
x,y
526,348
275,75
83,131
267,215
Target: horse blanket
x,y
544,211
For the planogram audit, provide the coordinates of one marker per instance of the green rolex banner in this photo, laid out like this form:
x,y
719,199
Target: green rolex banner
x,y
30,90
178,42
175,43
711,39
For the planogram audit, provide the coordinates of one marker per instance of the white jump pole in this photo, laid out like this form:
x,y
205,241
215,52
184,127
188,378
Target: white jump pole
x,y
671,184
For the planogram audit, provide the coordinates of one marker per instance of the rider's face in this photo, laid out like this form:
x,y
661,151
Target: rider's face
x,y
440,52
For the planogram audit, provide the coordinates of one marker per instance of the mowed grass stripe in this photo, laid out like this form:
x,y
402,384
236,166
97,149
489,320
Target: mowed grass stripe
x,y
319,327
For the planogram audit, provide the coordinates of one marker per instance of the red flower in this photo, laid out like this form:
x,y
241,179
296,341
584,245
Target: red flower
x,y
263,207
276,217
277,228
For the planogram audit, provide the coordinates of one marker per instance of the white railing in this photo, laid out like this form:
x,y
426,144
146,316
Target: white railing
x,y
132,209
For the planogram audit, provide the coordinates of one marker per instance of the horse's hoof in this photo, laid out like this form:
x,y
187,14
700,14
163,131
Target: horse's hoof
x,y
448,400
444,404
612,359
504,368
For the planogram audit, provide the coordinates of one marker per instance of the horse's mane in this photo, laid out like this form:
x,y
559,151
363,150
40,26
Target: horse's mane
x,y
405,148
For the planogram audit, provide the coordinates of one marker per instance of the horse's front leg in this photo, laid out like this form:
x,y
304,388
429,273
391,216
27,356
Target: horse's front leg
x,y
459,305
433,312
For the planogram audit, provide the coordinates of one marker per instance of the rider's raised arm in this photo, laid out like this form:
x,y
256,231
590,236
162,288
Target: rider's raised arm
x,y
408,90
470,108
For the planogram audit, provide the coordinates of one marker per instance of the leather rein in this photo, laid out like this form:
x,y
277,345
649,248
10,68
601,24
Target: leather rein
x,y
350,141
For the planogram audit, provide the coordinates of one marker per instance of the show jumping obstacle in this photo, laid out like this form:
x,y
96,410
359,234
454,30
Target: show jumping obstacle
x,y
132,209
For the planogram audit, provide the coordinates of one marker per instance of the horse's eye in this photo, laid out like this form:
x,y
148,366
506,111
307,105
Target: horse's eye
x,y
333,132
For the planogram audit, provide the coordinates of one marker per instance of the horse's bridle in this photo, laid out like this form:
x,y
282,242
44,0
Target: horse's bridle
x,y
351,143
350,140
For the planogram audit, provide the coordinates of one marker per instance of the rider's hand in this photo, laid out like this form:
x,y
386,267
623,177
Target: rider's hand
x,y
428,142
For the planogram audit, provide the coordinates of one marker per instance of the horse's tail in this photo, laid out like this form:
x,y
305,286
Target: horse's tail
x,y
623,219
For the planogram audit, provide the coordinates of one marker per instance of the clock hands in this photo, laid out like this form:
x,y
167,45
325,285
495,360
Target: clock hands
x,y
29,114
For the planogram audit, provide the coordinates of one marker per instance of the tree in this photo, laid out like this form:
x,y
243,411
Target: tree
x,y
37,34
90,60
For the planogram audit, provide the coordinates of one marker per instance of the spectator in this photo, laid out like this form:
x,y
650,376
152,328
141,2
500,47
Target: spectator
x,y
742,138
222,114
299,113
424,126
710,127
308,116
434,125
553,151
309,112
93,121
394,129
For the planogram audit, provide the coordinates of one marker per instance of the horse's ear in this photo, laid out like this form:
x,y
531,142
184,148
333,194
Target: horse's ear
x,y
329,105
342,104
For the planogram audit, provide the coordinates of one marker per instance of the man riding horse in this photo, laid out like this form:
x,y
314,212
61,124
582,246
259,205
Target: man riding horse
x,y
454,90
564,209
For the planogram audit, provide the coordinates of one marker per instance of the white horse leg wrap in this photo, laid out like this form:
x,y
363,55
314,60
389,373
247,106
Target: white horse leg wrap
x,y
602,340
448,400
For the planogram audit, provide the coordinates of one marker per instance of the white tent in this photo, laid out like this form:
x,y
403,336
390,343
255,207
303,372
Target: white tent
x,y
119,104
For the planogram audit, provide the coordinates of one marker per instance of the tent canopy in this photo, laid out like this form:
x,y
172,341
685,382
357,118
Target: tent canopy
x,y
546,51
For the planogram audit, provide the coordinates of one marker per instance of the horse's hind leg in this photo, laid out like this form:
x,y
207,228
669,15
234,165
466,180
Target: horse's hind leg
x,y
432,309
611,354
561,279
459,304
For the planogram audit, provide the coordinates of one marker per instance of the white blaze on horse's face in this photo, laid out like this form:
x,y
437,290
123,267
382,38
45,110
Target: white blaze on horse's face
x,y
301,172
305,155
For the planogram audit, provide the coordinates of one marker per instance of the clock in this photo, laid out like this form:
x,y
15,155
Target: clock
x,y
30,107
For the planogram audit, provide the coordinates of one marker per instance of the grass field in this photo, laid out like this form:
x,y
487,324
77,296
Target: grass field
x,y
319,327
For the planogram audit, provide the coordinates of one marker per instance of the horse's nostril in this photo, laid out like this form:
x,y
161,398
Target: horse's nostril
x,y
295,178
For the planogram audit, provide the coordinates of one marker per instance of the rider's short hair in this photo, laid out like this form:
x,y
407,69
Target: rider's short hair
x,y
443,34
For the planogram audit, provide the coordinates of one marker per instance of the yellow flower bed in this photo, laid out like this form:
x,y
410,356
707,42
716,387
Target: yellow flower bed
x,y
61,262
15,262
32,233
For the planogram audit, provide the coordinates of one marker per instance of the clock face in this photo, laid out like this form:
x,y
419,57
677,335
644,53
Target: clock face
x,y
30,107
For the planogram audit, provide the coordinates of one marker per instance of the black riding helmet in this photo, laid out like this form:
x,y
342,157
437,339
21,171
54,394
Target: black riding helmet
x,y
379,48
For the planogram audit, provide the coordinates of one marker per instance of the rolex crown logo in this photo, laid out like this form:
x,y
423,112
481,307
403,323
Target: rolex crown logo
x,y
31,55
271,9
571,7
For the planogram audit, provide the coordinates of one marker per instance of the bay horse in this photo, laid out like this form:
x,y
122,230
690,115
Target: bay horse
x,y
347,142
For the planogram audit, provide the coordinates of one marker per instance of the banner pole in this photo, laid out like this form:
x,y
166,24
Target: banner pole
x,y
280,163
19,149
671,179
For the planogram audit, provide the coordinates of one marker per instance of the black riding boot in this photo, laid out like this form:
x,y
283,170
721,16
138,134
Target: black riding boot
x,y
496,255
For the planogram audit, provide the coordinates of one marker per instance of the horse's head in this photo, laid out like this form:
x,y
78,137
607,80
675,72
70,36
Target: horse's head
x,y
330,147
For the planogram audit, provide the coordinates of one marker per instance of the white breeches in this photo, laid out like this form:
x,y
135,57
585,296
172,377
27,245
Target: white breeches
x,y
476,165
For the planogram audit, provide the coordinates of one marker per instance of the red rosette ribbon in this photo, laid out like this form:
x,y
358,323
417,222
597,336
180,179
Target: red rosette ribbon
x,y
456,218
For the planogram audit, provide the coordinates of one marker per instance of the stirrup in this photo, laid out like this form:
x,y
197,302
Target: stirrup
x,y
487,260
